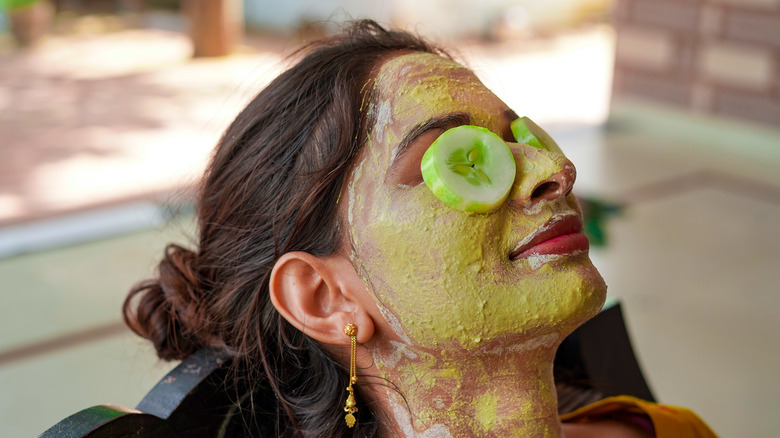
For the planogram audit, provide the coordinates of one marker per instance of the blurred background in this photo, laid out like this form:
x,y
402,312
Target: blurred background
x,y
670,109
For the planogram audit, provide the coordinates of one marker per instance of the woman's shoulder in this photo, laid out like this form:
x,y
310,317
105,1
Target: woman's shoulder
x,y
659,420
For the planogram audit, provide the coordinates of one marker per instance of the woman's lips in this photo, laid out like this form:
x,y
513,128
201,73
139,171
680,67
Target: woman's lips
x,y
559,236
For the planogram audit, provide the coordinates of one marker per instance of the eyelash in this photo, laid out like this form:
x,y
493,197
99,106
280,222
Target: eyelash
x,y
441,126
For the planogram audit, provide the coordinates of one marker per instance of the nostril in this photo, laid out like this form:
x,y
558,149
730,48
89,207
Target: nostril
x,y
545,188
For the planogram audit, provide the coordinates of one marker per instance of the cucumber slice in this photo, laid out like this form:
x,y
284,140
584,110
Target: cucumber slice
x,y
469,168
528,132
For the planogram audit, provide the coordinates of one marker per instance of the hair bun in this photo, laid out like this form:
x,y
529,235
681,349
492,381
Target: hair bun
x,y
166,310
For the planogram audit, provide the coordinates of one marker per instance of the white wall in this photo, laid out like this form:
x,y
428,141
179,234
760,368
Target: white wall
x,y
434,18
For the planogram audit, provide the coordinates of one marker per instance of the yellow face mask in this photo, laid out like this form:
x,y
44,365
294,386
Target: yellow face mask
x,y
445,278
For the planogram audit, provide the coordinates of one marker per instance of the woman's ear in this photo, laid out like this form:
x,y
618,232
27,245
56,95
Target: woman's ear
x,y
320,295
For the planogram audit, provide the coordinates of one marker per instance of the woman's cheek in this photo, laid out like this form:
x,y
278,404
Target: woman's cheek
x,y
426,263
446,279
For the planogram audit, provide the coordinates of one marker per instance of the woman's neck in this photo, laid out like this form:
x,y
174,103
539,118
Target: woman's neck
x,y
508,391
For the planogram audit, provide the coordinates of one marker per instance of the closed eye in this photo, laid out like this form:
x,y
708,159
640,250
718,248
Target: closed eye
x,y
405,167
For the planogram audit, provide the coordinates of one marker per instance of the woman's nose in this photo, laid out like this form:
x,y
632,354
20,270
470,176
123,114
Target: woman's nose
x,y
541,176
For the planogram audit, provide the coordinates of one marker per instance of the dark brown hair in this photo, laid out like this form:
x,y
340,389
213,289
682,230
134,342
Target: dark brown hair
x,y
272,187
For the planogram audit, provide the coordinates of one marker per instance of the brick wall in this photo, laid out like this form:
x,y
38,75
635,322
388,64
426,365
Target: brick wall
x,y
714,56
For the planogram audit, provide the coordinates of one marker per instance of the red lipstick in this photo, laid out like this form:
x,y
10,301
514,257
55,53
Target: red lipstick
x,y
559,236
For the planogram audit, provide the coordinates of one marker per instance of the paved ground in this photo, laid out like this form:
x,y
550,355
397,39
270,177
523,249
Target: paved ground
x,y
102,118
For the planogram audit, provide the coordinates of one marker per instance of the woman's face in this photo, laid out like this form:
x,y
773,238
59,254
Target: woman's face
x,y
445,278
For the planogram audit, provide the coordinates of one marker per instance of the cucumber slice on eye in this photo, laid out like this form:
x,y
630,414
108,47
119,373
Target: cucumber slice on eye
x,y
528,132
469,168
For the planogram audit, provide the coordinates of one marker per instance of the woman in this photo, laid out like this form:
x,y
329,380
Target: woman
x,y
313,215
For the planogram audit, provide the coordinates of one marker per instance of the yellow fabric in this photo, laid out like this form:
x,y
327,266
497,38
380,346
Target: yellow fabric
x,y
669,421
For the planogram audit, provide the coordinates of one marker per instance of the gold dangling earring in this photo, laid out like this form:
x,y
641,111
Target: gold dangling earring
x,y
351,406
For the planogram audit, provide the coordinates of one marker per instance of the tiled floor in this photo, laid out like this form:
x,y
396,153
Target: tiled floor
x,y
693,255
694,258
66,293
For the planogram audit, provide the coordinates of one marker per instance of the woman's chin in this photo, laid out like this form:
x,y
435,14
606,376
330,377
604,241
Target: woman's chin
x,y
573,300
590,295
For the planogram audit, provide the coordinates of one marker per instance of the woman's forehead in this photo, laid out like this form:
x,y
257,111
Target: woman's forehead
x,y
411,64
425,75
413,88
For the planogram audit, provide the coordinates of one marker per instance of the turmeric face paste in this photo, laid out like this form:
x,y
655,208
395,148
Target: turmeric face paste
x,y
444,278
